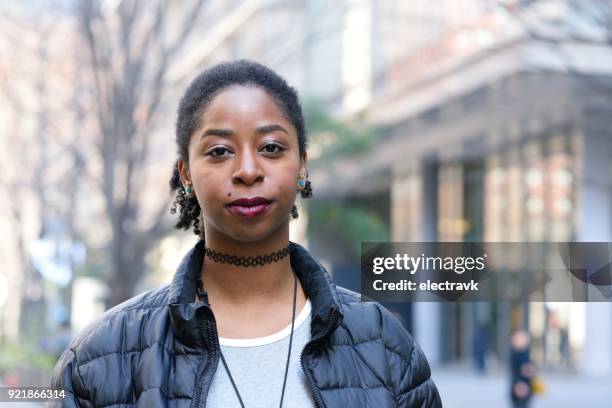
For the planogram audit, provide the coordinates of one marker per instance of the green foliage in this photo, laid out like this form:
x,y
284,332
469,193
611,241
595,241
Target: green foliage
x,y
16,355
331,139
349,223
336,138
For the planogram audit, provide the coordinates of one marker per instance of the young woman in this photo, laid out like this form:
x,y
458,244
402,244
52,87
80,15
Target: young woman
x,y
250,319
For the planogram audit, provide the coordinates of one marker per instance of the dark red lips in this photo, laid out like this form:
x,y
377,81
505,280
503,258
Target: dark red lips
x,y
249,207
246,202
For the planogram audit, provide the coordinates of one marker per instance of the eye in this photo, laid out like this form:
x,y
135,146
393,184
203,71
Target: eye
x,y
272,148
217,151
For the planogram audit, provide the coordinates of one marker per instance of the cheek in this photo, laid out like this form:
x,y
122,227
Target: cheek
x,y
287,182
209,187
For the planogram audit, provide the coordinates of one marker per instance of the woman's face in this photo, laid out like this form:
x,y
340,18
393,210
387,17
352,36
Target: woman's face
x,y
245,147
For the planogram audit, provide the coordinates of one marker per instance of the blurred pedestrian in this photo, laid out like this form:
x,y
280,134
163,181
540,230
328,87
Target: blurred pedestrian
x,y
62,338
521,368
481,348
58,341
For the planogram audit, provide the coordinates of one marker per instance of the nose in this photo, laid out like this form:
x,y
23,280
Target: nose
x,y
248,169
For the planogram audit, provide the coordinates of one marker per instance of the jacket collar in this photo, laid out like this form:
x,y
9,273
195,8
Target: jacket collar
x,y
186,314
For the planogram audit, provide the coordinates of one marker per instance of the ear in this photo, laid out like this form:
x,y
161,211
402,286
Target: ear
x,y
303,163
183,168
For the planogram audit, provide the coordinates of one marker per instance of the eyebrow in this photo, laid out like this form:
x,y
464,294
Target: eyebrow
x,y
227,132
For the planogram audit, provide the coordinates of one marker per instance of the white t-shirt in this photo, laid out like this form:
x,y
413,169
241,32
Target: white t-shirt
x,y
258,368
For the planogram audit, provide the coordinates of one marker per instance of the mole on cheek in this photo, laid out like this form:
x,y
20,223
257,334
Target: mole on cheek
x,y
229,194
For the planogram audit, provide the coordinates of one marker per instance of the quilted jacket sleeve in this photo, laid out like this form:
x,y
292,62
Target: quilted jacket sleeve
x,y
410,373
65,376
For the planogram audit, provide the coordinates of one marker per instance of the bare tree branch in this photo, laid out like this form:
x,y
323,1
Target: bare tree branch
x,y
130,53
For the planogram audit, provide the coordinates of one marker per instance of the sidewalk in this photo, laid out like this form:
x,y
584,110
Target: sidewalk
x,y
22,404
461,387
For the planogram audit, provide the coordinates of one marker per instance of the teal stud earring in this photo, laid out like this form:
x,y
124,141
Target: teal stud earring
x,y
189,189
302,182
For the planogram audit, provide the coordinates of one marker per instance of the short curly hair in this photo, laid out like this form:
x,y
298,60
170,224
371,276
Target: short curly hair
x,y
194,103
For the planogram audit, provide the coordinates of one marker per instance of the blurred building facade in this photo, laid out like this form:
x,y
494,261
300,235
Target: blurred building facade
x,y
499,131
497,116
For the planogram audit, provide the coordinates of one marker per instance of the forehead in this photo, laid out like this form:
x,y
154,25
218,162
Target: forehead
x,y
243,101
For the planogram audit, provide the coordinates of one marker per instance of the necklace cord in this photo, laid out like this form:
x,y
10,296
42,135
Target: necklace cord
x,y
290,337
288,353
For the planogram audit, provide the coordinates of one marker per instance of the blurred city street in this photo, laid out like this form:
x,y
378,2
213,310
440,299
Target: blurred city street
x,y
463,121
461,387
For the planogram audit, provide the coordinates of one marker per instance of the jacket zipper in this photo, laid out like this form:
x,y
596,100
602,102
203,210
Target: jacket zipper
x,y
201,383
313,389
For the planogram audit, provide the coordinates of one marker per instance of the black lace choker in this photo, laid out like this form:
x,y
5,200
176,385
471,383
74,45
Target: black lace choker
x,y
247,260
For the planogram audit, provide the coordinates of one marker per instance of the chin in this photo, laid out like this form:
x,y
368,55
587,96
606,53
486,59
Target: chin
x,y
248,233
256,233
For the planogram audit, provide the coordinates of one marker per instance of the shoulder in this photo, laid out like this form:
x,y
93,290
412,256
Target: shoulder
x,y
136,326
370,322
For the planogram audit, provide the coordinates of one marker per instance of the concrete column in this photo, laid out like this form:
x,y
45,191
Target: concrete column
x,y
595,224
418,219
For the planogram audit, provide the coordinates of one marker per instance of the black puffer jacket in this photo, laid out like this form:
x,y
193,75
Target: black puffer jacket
x,y
161,349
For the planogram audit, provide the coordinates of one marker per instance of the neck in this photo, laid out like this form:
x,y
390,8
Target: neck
x,y
226,282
